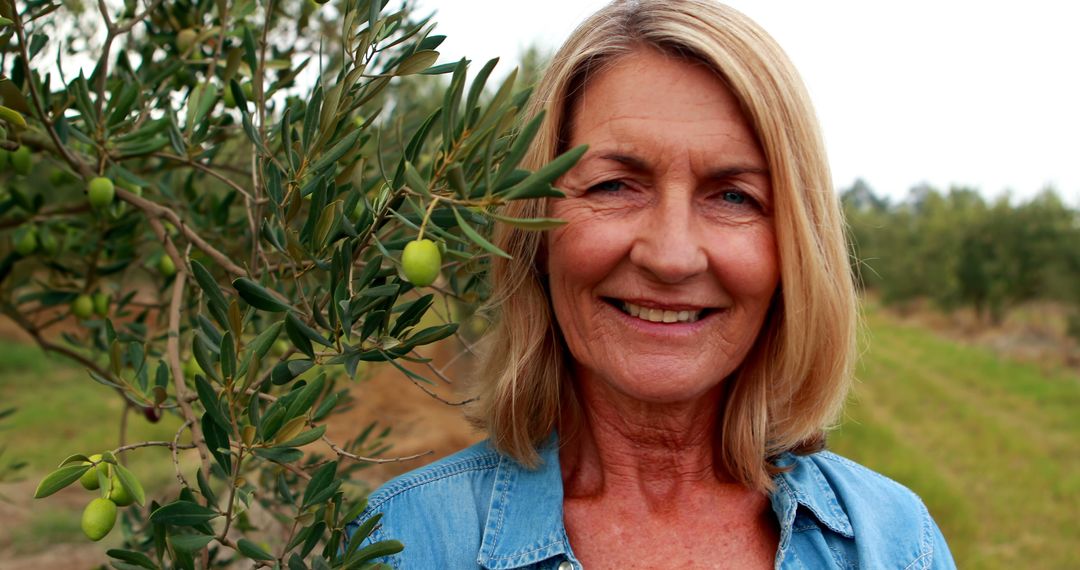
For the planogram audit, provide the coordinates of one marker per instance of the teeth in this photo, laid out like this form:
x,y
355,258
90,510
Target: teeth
x,y
660,315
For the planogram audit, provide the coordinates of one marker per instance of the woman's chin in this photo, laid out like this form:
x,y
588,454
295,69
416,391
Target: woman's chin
x,y
656,384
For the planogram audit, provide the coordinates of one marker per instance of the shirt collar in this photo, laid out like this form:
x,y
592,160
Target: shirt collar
x,y
525,517
805,485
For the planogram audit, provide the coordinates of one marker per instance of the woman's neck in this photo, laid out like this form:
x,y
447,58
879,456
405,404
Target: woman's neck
x,y
629,449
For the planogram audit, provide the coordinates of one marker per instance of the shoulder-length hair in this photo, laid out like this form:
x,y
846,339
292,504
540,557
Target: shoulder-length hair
x,y
791,386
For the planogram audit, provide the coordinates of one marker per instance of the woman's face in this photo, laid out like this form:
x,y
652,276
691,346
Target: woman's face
x,y
663,274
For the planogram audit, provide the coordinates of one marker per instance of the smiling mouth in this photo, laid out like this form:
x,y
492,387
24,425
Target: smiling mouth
x,y
655,315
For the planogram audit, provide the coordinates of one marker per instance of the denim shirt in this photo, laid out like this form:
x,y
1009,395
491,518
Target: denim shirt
x,y
481,509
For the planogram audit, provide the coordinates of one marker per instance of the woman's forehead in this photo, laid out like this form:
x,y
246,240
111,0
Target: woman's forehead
x,y
649,104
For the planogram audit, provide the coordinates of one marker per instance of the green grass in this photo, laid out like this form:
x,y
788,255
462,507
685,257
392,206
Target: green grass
x,y
991,445
47,525
60,410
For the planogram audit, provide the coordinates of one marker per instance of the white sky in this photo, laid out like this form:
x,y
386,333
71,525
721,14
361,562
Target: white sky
x,y
984,94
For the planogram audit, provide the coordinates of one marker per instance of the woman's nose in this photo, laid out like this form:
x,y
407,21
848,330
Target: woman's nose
x,y
668,245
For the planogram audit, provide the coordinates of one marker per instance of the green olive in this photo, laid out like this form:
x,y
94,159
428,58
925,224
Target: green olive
x,y
280,347
421,262
130,187
166,266
230,99
192,367
89,479
358,210
101,303
21,160
120,494
82,306
28,242
48,242
100,192
185,39
98,518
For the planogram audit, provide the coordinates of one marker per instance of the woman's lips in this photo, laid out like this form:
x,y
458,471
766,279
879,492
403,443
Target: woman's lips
x,y
661,313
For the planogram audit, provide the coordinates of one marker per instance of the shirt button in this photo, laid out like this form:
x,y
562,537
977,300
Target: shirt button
x,y
566,565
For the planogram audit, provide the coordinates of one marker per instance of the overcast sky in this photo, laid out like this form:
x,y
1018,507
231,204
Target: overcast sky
x,y
984,94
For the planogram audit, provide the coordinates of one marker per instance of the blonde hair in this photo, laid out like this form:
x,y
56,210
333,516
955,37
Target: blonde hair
x,y
793,383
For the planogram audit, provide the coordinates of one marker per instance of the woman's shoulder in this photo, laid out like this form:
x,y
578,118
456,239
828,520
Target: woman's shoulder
x,y
855,483
438,511
454,474
868,516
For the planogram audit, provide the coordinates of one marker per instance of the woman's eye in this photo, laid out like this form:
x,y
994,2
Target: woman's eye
x,y
607,186
735,197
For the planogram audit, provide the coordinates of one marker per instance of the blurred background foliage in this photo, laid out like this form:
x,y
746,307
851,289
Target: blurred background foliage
x,y
960,250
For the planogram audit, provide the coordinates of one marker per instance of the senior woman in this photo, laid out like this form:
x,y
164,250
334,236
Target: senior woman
x,y
664,365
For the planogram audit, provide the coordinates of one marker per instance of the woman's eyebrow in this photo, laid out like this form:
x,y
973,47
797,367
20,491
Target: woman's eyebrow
x,y
732,171
630,161
642,165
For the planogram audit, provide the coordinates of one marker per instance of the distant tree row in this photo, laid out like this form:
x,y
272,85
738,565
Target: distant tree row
x,y
959,250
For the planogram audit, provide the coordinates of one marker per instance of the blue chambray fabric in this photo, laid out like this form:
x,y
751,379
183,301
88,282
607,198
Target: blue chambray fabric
x,y
480,509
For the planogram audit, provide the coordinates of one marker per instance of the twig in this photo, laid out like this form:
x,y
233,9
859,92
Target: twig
x,y
297,471
436,396
223,15
206,169
102,70
172,445
46,214
155,211
469,349
137,18
53,347
176,456
35,98
461,353
172,345
432,368
123,425
258,80
342,453
250,391
232,493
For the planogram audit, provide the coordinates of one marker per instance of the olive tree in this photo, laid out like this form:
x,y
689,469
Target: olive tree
x,y
220,209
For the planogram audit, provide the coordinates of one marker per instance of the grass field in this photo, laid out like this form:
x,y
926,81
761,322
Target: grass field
x,y
61,411
991,445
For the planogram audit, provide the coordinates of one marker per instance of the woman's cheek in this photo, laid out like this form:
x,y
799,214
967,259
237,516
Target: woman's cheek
x,y
588,247
746,260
